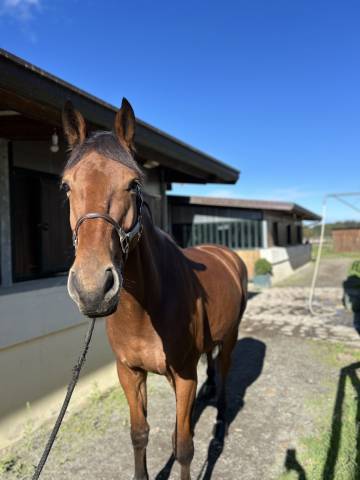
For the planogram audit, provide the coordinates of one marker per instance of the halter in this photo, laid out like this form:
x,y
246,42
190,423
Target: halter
x,y
125,237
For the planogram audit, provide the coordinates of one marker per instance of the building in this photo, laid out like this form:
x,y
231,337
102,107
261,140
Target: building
x,y
254,228
346,239
40,328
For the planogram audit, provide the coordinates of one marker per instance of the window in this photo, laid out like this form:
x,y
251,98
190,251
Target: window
x,y
233,234
42,242
288,235
275,233
299,234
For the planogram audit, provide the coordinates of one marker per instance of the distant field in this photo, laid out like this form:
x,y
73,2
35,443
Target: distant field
x,y
328,252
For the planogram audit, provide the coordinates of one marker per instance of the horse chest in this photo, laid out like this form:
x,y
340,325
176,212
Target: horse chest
x,y
149,358
136,350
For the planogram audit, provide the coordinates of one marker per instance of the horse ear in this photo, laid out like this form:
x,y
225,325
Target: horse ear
x,y
125,124
73,124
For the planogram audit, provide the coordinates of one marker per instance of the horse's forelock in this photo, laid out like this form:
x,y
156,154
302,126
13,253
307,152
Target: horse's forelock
x,y
107,145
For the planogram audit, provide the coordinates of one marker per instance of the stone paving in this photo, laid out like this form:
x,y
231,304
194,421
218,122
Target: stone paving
x,y
285,311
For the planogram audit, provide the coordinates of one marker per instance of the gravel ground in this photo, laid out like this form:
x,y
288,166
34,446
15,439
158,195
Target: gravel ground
x,y
272,379
278,369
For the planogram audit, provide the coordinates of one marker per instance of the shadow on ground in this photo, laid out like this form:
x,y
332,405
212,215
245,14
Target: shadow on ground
x,y
349,372
247,364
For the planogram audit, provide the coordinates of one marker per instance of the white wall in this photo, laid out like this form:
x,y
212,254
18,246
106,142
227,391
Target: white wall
x,y
285,260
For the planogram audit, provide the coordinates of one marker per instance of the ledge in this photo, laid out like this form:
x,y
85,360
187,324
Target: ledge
x,y
33,309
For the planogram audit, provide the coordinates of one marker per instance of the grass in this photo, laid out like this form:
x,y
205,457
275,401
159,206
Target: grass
x,y
329,252
100,413
331,452
92,421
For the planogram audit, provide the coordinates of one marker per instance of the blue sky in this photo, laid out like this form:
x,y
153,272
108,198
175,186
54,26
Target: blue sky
x,y
271,87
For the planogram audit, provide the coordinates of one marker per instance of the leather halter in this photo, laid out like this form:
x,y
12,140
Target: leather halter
x,y
125,238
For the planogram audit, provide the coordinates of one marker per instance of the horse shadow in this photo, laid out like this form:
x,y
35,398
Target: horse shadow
x,y
247,364
350,372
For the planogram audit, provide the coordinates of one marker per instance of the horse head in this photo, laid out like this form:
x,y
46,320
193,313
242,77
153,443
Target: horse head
x,y
103,184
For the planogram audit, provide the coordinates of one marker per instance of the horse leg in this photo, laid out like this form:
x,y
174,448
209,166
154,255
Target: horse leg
x,y
224,366
134,385
209,388
185,390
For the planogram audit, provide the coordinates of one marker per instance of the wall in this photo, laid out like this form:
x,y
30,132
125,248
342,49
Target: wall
x,y
249,257
285,260
37,156
346,240
283,220
41,332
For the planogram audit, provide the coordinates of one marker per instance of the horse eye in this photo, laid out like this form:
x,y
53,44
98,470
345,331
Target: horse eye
x,y
133,186
65,187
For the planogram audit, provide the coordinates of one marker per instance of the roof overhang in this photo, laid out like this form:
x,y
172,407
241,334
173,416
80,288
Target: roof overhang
x,y
40,96
238,203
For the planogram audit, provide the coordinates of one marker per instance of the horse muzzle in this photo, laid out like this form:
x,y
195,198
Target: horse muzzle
x,y
96,294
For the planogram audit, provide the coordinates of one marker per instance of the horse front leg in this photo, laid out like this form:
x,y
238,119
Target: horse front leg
x,y
185,391
134,385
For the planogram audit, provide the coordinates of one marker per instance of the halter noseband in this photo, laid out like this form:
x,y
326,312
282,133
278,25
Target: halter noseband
x,y
125,237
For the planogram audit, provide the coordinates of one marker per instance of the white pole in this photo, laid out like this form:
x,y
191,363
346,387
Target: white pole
x,y
317,263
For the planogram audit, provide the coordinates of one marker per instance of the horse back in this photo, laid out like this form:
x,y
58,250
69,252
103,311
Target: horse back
x,y
223,280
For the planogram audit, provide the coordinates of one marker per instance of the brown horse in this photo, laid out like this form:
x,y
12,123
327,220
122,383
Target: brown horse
x,y
164,306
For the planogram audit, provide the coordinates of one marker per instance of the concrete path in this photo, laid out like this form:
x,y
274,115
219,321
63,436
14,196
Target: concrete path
x,y
332,273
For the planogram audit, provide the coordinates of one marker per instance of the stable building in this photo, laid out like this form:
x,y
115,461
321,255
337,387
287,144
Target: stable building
x,y
40,328
253,228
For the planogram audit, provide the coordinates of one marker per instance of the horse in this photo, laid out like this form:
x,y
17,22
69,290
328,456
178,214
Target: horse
x,y
164,306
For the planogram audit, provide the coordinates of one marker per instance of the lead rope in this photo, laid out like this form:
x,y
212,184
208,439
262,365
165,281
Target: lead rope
x,y
75,377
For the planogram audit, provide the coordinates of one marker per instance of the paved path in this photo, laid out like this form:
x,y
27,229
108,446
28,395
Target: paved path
x,y
332,273
285,311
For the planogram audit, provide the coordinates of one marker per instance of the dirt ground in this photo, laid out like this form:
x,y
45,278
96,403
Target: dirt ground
x,y
277,372
271,379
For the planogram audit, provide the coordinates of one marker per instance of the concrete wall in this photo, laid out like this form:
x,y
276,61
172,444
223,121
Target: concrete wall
x,y
5,221
41,336
285,260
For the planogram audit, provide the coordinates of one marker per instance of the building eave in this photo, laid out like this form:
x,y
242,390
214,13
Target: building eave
x,y
28,86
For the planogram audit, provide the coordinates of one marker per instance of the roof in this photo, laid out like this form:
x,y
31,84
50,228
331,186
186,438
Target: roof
x,y
285,207
29,89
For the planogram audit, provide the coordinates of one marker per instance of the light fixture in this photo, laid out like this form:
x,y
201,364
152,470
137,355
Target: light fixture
x,y
54,147
151,164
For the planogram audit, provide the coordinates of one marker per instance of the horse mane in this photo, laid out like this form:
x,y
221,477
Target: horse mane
x,y
106,144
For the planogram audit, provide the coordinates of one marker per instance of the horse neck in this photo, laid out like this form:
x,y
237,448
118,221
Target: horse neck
x,y
142,273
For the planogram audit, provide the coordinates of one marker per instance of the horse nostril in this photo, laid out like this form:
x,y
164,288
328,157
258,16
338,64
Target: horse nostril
x,y
109,280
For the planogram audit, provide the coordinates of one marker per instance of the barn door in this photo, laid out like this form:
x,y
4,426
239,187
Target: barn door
x,y
25,218
56,251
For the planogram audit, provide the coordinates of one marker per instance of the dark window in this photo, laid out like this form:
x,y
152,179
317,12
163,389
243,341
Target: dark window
x,y
275,232
299,232
41,232
288,235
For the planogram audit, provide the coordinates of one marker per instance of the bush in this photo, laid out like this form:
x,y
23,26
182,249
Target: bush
x,y
354,269
263,267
